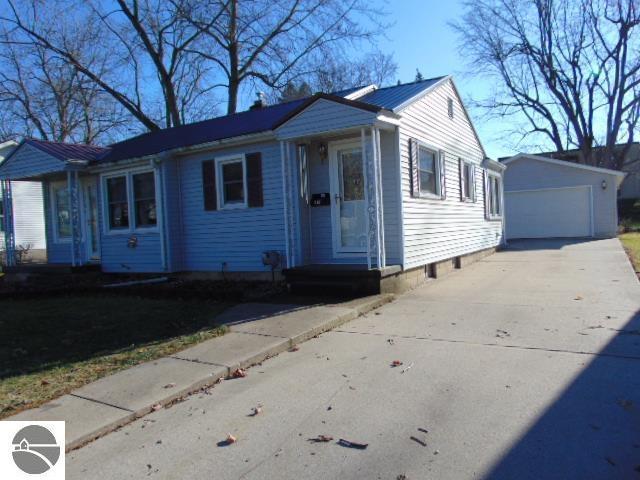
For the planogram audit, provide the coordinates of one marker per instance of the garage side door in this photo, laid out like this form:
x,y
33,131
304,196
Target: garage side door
x,y
557,212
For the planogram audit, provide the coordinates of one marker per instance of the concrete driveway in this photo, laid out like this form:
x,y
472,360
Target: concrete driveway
x,y
525,365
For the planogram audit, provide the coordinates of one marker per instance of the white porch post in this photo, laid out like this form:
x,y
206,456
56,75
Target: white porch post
x,y
9,234
363,147
383,250
372,201
284,203
378,160
73,185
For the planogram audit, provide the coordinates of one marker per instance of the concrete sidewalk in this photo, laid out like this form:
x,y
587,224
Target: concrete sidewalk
x,y
256,331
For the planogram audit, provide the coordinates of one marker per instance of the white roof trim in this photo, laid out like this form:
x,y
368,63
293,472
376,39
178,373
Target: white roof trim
x,y
494,164
564,163
8,143
361,92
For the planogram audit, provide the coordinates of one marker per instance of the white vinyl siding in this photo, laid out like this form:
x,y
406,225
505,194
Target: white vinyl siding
x,y
28,215
322,117
436,229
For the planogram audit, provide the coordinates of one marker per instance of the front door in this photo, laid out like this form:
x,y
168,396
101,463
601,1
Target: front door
x,y
91,219
348,207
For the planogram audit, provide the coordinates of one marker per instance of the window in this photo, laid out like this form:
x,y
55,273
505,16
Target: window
x,y
428,175
1,214
144,197
467,182
450,107
232,182
61,210
118,203
130,201
232,178
494,197
232,185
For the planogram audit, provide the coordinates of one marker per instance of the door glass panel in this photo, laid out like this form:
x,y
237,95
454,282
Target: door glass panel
x,y
351,201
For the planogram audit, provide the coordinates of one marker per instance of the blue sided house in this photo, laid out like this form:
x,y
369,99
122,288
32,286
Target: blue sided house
x,y
386,186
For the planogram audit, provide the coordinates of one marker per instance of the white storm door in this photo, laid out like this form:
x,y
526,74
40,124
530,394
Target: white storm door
x,y
348,206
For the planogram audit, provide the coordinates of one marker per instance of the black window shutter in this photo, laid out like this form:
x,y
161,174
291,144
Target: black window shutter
x,y
254,179
209,185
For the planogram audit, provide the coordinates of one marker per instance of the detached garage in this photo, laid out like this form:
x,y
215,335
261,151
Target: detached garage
x,y
547,198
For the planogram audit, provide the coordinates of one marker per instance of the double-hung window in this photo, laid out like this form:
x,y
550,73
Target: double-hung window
x,y
494,197
118,203
429,178
131,201
467,182
232,183
61,210
144,199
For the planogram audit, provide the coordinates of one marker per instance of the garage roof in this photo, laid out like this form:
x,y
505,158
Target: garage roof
x,y
564,163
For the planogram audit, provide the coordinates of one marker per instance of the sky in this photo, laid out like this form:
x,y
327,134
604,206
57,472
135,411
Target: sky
x,y
421,38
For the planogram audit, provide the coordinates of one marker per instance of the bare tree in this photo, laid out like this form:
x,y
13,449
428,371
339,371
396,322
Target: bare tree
x,y
333,75
145,44
42,96
570,67
274,42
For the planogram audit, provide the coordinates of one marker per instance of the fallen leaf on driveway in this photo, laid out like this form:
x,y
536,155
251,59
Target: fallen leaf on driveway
x,y
396,363
407,368
256,411
169,385
239,373
156,407
578,297
321,439
346,443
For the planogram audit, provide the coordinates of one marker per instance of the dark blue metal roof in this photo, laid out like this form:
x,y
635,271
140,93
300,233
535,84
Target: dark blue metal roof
x,y
254,121
67,151
394,96
229,126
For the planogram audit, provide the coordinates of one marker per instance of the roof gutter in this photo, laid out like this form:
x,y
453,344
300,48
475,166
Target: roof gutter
x,y
182,151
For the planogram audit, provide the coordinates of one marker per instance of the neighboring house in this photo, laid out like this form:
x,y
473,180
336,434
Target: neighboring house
x,y
28,214
630,188
546,197
384,181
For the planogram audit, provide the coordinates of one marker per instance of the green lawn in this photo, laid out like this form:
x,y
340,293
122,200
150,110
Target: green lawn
x,y
50,346
631,243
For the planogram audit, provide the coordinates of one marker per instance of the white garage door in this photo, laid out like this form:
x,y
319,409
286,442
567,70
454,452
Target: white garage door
x,y
546,213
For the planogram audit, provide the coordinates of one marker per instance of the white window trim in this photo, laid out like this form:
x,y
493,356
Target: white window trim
x,y
470,196
54,211
438,175
219,162
133,227
493,216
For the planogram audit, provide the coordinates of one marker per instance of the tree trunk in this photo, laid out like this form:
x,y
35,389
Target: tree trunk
x,y
234,77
